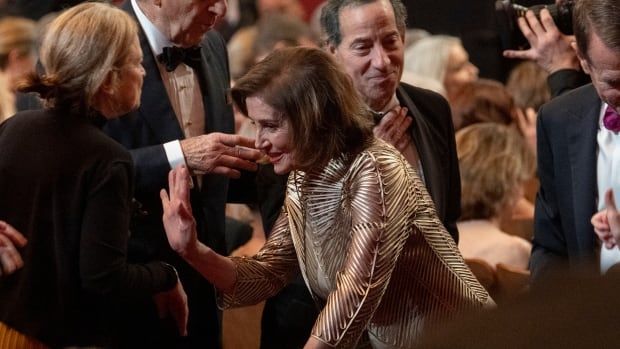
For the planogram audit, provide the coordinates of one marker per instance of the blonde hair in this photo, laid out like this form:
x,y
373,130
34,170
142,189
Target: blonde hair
x,y
429,56
494,160
16,33
81,47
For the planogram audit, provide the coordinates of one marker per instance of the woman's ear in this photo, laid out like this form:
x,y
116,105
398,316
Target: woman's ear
x,y
108,84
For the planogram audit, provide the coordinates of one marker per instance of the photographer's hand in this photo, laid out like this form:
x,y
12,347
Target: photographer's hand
x,y
549,48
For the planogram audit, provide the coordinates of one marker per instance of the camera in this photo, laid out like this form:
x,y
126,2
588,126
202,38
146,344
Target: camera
x,y
508,12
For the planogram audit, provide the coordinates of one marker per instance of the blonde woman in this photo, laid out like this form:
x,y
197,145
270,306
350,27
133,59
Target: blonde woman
x,y
494,162
441,58
17,58
67,188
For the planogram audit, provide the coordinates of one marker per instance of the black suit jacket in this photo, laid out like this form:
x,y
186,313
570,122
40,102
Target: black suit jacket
x,y
67,187
567,154
433,134
144,132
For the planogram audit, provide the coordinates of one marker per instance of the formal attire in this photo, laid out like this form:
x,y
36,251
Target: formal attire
x,y
171,110
292,310
432,133
364,233
567,131
68,188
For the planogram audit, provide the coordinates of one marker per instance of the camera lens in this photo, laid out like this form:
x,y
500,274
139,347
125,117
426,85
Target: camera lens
x,y
508,12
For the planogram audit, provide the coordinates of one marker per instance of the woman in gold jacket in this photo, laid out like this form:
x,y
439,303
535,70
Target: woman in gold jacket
x,y
357,220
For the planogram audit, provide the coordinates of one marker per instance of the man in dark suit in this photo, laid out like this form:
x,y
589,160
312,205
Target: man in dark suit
x,y
577,139
184,119
367,38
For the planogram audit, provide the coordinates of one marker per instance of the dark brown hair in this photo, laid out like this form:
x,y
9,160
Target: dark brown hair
x,y
309,89
600,16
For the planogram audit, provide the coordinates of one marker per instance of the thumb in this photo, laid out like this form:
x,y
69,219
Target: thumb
x,y
610,201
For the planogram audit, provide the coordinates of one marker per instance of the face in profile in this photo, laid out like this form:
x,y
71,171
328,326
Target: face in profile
x,y
273,134
603,66
130,78
459,71
190,20
371,50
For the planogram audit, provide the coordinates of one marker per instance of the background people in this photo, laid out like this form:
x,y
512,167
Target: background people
x,y
494,163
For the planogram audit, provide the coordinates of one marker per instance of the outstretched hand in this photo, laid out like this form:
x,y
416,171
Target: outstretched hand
x,y
178,220
10,239
549,48
607,222
220,153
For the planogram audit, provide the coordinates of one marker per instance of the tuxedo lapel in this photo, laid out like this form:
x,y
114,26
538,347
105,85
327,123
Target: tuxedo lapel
x,y
582,148
428,150
155,107
214,99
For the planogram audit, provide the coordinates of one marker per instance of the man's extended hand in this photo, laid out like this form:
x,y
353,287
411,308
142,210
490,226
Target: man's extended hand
x,y
549,48
220,153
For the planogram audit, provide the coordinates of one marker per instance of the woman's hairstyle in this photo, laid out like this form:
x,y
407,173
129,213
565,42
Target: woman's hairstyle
x,y
494,161
307,88
81,47
527,83
429,57
482,100
16,34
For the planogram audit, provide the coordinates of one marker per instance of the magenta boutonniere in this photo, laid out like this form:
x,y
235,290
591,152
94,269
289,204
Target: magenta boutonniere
x,y
611,120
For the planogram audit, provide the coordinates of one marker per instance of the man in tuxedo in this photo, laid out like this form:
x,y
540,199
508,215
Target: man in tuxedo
x,y
185,118
577,146
367,37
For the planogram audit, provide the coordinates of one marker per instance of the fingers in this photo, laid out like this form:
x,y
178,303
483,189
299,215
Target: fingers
x,y
519,54
10,259
233,140
16,237
547,21
393,127
534,23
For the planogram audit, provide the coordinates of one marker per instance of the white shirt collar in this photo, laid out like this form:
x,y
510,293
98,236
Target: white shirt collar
x,y
157,40
601,115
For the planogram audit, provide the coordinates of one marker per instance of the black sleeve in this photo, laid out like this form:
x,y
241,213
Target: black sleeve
x,y
549,251
565,80
103,246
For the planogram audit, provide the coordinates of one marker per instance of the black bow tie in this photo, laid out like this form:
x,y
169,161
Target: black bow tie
x,y
172,56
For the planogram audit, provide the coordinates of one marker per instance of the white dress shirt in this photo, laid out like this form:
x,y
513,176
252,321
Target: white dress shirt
x,y
182,87
607,176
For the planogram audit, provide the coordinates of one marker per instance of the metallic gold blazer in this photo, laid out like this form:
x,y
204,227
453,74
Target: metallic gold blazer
x,y
364,233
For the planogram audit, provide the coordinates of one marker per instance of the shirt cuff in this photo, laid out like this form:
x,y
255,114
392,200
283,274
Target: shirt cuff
x,y
174,153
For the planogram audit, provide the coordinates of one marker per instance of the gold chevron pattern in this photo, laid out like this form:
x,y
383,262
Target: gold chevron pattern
x,y
365,235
